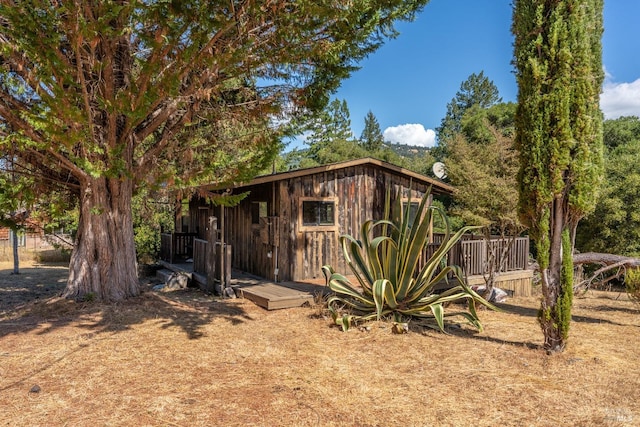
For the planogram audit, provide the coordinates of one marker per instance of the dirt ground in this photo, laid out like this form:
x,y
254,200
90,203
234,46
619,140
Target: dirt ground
x,y
188,359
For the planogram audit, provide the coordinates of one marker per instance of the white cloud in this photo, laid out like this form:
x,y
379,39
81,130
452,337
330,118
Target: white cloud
x,y
410,134
620,99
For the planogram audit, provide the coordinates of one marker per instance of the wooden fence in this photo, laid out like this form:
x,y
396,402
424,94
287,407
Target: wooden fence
x,y
176,246
473,253
200,256
212,261
476,255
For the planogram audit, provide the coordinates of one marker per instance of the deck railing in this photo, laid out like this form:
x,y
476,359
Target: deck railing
x,y
476,255
175,246
472,253
200,256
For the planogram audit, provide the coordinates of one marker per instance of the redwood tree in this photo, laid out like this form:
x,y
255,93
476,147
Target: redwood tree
x,y
104,97
558,58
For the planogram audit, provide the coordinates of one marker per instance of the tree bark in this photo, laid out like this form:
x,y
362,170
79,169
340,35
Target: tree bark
x,y
605,259
618,263
553,316
103,263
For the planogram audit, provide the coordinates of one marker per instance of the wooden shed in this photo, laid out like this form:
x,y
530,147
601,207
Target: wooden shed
x,y
288,226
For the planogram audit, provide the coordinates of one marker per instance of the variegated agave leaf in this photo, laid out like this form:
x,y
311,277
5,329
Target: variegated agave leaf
x,y
385,260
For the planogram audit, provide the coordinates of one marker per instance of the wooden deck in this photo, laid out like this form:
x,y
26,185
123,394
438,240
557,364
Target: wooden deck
x,y
273,296
516,283
262,292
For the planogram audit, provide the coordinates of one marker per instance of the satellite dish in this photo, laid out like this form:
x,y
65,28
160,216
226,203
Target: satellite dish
x,y
439,170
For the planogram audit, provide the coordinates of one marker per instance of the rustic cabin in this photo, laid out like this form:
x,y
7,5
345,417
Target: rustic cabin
x,y
287,227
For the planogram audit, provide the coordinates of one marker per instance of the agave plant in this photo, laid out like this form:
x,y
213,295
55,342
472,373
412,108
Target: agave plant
x,y
392,282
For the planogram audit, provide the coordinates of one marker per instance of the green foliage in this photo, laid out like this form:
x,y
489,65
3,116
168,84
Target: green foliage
x,y
478,90
152,212
109,97
16,197
557,316
337,151
385,262
558,58
558,119
621,131
614,226
371,138
565,300
441,223
482,166
632,284
331,126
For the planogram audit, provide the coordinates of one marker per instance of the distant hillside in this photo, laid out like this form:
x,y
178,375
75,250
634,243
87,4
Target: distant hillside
x,y
408,151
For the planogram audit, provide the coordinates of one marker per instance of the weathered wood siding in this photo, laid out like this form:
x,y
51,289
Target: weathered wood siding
x,y
281,241
359,193
519,283
253,248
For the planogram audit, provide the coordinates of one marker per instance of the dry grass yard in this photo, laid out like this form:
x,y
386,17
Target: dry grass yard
x,y
187,359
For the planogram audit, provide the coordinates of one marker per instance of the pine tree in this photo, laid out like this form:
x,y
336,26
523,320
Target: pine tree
x,y
331,126
558,58
371,138
477,90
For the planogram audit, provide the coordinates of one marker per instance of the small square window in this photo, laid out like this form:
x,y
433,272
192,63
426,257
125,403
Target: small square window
x,y
316,212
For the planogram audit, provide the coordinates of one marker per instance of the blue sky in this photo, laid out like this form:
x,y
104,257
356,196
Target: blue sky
x,y
409,81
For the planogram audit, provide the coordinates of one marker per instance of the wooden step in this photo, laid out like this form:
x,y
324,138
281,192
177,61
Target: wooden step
x,y
163,274
272,296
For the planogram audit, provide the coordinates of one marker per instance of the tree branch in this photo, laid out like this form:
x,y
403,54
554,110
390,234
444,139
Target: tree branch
x,y
608,261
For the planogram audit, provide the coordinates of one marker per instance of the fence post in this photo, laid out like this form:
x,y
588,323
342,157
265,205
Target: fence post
x,y
227,266
212,235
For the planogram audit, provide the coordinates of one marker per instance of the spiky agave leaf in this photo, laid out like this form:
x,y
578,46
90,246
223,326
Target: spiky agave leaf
x,y
352,253
385,266
384,296
438,314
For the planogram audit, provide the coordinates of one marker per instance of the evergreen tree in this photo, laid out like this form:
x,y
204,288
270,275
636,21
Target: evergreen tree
x,y
106,97
558,58
371,138
331,125
614,226
477,90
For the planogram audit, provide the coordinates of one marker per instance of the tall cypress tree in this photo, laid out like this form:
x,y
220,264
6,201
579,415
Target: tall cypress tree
x,y
558,58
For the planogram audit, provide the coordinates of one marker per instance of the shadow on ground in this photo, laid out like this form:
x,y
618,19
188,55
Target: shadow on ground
x,y
30,301
31,285
533,312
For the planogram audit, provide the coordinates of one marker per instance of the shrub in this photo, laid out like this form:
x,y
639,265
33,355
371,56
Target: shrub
x,y
632,284
385,262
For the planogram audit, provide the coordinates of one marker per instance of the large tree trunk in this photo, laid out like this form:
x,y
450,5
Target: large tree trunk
x,y
103,262
557,282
